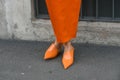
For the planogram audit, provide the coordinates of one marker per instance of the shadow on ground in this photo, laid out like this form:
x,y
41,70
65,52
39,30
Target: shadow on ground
x,y
23,60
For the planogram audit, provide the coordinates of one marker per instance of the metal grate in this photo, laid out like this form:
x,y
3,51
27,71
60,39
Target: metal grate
x,y
91,10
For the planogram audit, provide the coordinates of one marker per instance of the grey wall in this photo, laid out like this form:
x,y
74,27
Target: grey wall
x,y
3,22
16,23
19,19
20,22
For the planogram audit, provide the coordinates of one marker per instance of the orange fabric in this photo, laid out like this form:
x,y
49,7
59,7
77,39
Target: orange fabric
x,y
64,15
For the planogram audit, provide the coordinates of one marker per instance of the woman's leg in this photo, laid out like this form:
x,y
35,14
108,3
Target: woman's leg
x,y
64,15
57,44
67,46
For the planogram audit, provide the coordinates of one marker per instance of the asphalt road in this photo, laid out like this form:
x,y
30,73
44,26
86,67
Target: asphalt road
x,y
23,60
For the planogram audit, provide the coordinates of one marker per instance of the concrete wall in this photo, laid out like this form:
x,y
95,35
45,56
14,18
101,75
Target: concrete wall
x,y
20,23
3,22
17,22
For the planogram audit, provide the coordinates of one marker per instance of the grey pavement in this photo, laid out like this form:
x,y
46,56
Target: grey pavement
x,y
23,60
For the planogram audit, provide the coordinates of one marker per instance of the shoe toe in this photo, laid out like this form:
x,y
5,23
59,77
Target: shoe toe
x,y
68,58
67,62
51,52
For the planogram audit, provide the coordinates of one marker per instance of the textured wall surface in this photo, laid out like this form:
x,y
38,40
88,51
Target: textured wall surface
x,y
89,32
20,23
16,23
3,22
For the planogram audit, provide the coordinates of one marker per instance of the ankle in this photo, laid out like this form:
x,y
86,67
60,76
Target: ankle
x,y
58,45
67,46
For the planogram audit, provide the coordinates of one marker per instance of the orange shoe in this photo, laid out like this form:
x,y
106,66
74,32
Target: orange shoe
x,y
51,52
68,58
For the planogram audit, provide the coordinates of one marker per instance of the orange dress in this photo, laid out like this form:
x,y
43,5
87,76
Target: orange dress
x,y
64,15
